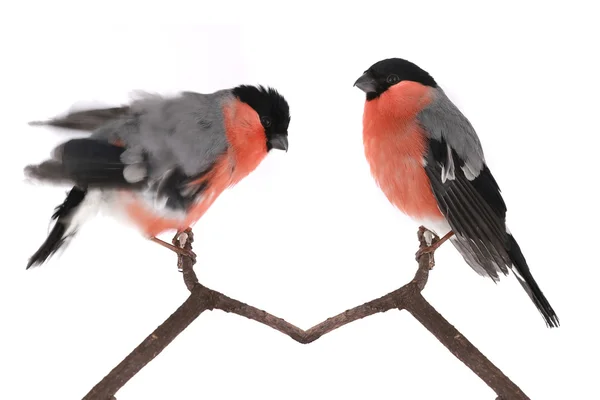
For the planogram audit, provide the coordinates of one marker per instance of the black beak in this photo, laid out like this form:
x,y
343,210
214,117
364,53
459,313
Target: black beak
x,y
366,83
279,141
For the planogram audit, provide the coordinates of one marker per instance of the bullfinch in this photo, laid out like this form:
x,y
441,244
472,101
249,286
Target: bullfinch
x,y
427,159
159,161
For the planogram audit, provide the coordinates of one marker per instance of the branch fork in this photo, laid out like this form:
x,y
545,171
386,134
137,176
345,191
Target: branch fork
x,y
408,298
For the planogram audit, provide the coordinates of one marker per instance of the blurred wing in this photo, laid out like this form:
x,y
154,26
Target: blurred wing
x,y
187,133
172,142
92,163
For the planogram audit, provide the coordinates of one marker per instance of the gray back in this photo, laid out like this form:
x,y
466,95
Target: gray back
x,y
441,119
185,131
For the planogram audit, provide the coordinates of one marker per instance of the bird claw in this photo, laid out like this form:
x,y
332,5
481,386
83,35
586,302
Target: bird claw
x,y
182,238
429,237
433,244
180,251
179,242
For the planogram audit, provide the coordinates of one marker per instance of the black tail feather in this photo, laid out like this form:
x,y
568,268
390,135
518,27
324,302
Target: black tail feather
x,y
63,214
530,285
86,120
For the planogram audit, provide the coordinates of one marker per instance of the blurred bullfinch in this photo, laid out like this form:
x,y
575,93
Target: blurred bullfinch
x,y
159,161
428,161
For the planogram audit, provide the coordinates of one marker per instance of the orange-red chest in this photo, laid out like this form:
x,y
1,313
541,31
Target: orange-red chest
x,y
395,146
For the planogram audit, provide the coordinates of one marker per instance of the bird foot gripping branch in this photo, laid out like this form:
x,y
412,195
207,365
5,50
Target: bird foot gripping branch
x,y
183,242
182,246
433,243
176,246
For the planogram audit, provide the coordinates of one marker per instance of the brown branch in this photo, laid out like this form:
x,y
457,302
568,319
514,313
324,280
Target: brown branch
x,y
464,350
199,301
407,297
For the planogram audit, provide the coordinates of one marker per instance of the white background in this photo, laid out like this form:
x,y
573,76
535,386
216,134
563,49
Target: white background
x,y
308,235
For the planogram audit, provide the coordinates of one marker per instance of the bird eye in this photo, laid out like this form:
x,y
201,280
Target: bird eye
x,y
266,121
393,78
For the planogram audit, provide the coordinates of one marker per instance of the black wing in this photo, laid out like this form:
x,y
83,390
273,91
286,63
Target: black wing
x,y
86,163
476,213
474,209
91,163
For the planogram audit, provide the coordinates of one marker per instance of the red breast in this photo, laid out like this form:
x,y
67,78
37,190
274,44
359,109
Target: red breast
x,y
395,146
247,148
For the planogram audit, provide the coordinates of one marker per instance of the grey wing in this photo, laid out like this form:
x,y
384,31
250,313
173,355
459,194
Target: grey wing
x,y
166,143
185,131
183,138
465,189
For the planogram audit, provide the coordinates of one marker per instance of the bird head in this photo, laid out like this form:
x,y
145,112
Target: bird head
x,y
273,111
389,72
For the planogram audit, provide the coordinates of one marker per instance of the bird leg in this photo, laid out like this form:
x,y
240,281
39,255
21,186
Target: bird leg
x,y
434,246
180,251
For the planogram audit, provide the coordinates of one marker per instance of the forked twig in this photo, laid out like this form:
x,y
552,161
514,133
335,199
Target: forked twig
x,y
407,297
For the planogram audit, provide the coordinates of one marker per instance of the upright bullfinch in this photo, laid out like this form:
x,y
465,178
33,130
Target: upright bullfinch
x,y
160,161
427,159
